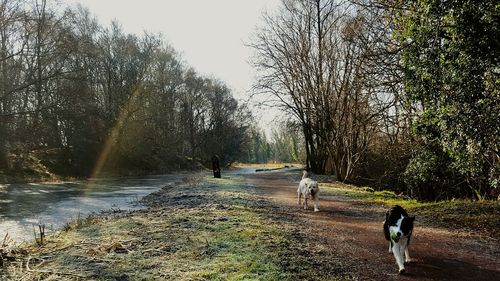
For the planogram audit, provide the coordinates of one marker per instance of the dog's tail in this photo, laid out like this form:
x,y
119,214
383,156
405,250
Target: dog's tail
x,y
305,174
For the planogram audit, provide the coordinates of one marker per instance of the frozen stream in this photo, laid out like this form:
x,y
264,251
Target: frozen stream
x,y
54,204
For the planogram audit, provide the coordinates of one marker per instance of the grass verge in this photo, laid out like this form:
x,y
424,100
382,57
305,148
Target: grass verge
x,y
481,217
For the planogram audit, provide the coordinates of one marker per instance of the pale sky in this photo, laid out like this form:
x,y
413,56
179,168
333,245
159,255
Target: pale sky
x,y
209,34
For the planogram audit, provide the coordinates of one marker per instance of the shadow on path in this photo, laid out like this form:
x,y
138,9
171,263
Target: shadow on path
x,y
352,231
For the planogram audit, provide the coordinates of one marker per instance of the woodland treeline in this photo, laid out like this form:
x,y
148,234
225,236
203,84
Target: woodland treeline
x,y
399,94
80,99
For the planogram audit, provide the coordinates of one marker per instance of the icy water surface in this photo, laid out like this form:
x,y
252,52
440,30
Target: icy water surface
x,y
25,205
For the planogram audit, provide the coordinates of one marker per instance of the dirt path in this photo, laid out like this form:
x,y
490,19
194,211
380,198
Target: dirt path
x,y
352,231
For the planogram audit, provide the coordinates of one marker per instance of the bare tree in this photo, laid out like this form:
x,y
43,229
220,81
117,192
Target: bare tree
x,y
85,98
290,57
12,46
315,58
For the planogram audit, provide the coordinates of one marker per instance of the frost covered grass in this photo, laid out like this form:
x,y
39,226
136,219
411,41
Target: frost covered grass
x,y
200,229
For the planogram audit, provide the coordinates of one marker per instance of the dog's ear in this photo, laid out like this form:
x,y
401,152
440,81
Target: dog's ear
x,y
412,218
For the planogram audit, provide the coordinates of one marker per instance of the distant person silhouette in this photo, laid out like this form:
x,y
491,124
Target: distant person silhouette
x,y
216,166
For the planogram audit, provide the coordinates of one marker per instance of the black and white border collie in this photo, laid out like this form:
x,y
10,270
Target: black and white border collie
x,y
398,227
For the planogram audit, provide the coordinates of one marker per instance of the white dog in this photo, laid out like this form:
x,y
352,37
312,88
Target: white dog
x,y
308,187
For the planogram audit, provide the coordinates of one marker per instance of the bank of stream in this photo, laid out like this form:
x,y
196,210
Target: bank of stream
x,y
54,204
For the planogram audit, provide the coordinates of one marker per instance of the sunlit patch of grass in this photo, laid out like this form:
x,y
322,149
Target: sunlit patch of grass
x,y
479,216
265,165
369,194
